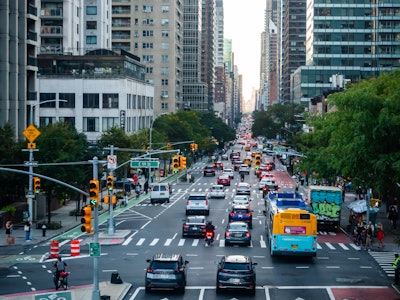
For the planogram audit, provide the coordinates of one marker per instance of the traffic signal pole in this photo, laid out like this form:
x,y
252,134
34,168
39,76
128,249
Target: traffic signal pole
x,y
96,290
111,229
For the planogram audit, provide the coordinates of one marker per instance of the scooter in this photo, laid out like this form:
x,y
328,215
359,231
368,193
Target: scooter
x,y
209,238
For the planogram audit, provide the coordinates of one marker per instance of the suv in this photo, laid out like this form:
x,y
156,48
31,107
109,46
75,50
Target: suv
x,y
241,213
209,170
159,192
236,272
166,271
197,204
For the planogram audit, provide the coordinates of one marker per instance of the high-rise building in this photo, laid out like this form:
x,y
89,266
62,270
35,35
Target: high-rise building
x,y
18,65
355,39
195,91
153,30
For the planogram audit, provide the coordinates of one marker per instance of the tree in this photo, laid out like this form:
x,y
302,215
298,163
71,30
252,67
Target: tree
x,y
360,136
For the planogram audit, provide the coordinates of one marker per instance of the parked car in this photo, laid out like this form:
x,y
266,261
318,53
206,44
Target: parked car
x,y
217,191
243,188
237,233
241,213
229,172
197,204
194,226
166,271
224,180
209,171
236,272
159,192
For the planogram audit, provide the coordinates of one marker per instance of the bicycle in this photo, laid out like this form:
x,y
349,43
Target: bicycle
x,y
62,280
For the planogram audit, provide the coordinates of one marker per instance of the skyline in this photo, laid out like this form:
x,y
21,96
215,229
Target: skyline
x,y
246,39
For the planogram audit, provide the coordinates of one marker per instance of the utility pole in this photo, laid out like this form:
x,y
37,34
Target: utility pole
x,y
111,229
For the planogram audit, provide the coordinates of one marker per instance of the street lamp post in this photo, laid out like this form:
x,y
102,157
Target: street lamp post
x,y
30,185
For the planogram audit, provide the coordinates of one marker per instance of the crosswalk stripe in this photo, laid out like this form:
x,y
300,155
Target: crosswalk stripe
x,y
140,242
355,246
168,242
344,247
330,246
154,242
195,243
181,242
319,246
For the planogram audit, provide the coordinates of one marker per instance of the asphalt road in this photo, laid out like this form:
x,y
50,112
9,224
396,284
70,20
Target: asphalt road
x,y
340,270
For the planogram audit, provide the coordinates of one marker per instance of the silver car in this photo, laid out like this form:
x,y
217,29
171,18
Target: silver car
x,y
197,204
217,191
243,188
229,172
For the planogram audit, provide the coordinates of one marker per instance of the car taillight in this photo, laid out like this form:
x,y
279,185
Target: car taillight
x,y
228,234
231,214
187,202
206,202
247,234
150,270
185,226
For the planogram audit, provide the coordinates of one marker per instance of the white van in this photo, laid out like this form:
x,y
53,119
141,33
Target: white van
x,y
159,192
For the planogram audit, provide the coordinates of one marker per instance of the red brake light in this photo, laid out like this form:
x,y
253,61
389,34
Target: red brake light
x,y
206,202
228,234
247,234
187,202
248,214
150,270
231,214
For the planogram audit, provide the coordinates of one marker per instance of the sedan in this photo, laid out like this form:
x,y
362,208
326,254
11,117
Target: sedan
x,y
241,213
224,180
241,200
237,233
266,181
243,188
194,226
229,172
217,191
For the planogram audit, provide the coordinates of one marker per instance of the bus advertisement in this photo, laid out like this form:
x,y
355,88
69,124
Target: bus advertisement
x,y
291,228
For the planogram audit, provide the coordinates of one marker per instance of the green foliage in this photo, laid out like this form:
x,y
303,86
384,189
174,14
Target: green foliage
x,y
10,209
360,137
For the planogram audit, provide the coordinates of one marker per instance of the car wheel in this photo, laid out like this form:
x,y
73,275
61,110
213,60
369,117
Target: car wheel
x,y
168,201
218,290
181,290
151,201
147,289
251,225
253,292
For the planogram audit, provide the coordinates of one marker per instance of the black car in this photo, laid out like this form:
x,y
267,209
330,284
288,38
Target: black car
x,y
194,226
166,271
209,171
236,272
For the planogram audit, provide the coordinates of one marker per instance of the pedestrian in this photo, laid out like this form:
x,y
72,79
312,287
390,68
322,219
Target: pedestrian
x,y
396,267
59,265
146,186
27,229
380,236
9,238
393,216
369,233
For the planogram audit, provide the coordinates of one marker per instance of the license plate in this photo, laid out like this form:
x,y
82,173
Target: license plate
x,y
294,246
238,235
162,194
194,228
235,280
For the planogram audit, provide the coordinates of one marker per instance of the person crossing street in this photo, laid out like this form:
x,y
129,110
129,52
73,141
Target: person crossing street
x,y
396,267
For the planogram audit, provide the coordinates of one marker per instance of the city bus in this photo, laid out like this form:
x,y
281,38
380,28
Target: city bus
x,y
291,228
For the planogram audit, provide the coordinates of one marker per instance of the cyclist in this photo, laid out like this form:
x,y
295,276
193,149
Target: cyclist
x,y
59,265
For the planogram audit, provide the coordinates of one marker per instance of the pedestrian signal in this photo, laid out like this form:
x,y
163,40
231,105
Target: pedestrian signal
x,y
94,192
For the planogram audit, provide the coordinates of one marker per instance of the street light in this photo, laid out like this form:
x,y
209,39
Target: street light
x,y
30,192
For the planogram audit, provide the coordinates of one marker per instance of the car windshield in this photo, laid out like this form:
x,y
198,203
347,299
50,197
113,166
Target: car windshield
x,y
234,226
157,188
197,198
236,266
228,170
240,210
170,265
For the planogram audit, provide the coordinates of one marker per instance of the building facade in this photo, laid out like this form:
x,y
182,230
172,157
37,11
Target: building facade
x,y
153,30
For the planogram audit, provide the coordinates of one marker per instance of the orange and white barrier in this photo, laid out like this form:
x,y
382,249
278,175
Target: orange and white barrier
x,y
54,249
75,248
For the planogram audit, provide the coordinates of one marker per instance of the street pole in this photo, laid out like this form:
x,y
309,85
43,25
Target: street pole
x,y
111,229
96,290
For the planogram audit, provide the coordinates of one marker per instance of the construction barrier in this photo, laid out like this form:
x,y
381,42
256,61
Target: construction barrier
x,y
54,249
75,248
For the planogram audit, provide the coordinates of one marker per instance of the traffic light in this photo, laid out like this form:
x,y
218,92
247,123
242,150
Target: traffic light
x,y
86,219
182,162
110,183
175,163
192,147
257,163
36,185
94,192
196,147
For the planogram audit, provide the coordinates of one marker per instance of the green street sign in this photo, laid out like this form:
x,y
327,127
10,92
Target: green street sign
x,y
145,164
54,296
94,249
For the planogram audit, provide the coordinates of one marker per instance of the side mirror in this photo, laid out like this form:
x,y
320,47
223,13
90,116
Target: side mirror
x,y
186,262
255,264
148,260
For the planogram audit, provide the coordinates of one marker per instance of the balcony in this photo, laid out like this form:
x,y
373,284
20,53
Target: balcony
x,y
32,10
51,13
32,36
51,31
51,48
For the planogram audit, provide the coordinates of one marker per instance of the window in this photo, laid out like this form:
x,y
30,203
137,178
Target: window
x,y
149,70
46,97
68,120
147,22
164,94
147,32
134,101
164,22
164,45
90,100
147,8
164,81
70,97
108,123
165,8
91,10
164,58
110,100
165,33
164,105
91,39
148,58
147,45
44,121
136,33
91,124
91,25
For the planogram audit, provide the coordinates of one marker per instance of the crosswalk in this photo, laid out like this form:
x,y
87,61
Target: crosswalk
x,y
384,260
193,242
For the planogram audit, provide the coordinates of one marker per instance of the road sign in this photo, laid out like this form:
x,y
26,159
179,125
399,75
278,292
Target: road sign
x,y
66,295
145,164
31,133
111,162
94,249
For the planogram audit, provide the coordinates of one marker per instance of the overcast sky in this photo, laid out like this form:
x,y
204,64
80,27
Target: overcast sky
x,y
244,23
